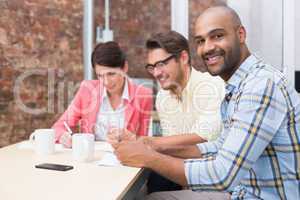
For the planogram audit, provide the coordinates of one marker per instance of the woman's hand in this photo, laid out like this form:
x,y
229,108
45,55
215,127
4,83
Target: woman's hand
x,y
66,140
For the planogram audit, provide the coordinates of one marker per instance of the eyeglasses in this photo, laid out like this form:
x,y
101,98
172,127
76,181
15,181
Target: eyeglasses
x,y
159,64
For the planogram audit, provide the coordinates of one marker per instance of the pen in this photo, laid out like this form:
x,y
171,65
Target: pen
x,y
119,136
68,128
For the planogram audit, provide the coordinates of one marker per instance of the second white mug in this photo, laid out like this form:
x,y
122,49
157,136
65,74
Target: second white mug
x,y
83,146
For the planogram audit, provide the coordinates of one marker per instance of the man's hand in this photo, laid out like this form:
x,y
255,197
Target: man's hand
x,y
150,141
138,154
116,135
134,153
66,140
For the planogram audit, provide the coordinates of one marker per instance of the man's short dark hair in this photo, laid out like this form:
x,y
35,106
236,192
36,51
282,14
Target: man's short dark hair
x,y
108,54
172,42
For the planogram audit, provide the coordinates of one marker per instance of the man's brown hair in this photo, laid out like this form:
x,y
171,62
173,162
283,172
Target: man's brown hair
x,y
171,41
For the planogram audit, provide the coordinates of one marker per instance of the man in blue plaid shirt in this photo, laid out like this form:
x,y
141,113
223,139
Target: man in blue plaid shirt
x,y
258,153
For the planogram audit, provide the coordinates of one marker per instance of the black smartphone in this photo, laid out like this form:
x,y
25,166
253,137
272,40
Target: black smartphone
x,y
52,166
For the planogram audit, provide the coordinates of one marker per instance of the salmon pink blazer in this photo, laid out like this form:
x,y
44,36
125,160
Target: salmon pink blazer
x,y
83,110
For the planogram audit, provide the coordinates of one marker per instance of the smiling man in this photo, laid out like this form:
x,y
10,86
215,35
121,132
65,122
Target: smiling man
x,y
189,101
257,155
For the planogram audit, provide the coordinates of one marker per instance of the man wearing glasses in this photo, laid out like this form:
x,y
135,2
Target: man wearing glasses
x,y
188,102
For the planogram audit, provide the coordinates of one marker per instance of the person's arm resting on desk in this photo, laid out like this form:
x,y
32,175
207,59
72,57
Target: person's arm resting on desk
x,y
159,143
138,154
184,139
233,159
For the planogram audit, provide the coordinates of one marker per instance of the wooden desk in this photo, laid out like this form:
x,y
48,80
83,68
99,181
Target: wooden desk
x,y
20,180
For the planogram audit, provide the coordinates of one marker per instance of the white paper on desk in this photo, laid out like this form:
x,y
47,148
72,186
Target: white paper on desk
x,y
104,146
109,159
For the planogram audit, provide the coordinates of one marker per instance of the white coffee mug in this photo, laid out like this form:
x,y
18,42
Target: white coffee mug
x,y
44,141
83,147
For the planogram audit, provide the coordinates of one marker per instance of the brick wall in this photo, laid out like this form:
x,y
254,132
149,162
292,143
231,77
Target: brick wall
x,y
41,53
41,48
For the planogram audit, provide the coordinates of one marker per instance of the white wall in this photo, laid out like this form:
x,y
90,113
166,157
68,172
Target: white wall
x,y
289,31
297,34
180,17
263,22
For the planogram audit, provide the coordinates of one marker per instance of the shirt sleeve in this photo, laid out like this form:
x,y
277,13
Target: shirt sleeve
x,y
259,113
72,115
145,110
208,149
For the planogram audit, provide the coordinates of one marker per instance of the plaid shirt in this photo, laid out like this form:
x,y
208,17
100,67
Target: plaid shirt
x,y
257,155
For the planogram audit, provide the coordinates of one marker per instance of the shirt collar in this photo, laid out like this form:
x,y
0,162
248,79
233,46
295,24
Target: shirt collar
x,y
125,94
241,72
